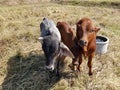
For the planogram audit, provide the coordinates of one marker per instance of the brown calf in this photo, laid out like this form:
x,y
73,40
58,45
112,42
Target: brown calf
x,y
69,39
86,35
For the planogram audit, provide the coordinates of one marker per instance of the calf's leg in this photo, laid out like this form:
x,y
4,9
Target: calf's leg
x,y
74,64
80,62
57,71
90,57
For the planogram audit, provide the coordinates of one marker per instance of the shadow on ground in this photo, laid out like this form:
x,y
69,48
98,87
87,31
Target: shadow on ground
x,y
26,72
106,4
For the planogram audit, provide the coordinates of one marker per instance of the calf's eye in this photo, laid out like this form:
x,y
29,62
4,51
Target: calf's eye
x,y
92,31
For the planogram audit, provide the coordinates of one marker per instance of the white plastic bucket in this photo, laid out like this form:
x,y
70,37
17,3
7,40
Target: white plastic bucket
x,y
101,44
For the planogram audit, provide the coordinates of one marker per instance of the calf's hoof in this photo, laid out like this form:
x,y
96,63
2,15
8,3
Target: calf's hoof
x,y
73,67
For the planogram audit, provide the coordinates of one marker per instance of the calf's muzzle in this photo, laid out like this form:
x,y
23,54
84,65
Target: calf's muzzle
x,y
82,43
49,68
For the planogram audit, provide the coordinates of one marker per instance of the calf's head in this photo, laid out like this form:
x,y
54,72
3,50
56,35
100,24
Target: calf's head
x,y
45,27
48,27
52,49
86,33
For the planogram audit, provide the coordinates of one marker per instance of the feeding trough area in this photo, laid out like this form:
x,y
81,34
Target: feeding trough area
x,y
101,44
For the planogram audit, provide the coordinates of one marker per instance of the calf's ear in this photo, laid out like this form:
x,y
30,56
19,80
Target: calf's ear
x,y
64,50
58,23
96,29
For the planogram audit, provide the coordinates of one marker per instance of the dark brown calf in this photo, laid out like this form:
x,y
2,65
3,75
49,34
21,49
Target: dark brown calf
x,y
69,39
86,35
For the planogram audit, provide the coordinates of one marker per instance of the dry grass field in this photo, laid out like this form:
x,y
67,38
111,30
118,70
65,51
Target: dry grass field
x,y
22,59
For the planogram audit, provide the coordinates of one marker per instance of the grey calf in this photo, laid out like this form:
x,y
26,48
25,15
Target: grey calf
x,y
52,45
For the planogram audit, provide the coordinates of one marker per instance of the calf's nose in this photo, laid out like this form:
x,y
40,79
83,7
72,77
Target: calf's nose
x,y
83,43
50,68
